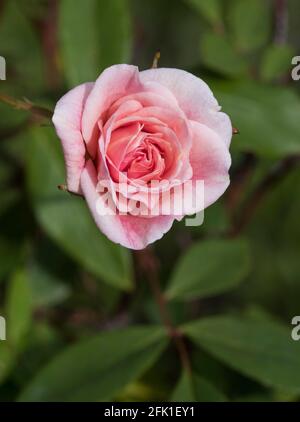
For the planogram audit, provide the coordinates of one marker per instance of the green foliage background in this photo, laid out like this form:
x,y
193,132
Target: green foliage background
x,y
81,322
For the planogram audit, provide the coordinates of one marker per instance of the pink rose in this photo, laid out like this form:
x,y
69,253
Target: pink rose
x,y
131,136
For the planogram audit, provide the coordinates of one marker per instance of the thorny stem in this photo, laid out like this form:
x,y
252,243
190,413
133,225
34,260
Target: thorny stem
x,y
64,188
149,264
37,111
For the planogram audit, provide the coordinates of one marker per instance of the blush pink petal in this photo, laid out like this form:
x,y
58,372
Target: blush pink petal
x,y
121,139
67,121
129,231
194,97
113,83
210,161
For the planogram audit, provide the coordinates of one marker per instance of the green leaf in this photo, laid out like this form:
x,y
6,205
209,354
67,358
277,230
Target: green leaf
x,y
216,219
21,48
210,267
98,368
266,116
210,10
171,29
49,274
264,397
94,35
276,62
261,350
65,218
18,315
218,54
10,253
193,388
9,198
288,244
275,249
47,290
250,23
19,309
6,360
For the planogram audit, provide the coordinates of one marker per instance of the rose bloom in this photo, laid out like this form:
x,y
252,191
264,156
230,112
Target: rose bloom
x,y
131,136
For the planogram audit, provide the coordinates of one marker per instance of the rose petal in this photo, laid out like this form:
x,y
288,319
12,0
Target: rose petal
x,y
67,121
194,97
129,231
113,83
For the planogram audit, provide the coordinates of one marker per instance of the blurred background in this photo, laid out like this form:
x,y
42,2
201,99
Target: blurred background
x,y
81,323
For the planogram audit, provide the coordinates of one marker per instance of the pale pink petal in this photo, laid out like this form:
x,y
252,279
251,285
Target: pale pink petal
x,y
148,99
210,160
194,97
67,121
141,231
129,231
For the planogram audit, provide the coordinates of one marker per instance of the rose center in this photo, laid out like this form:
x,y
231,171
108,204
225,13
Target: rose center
x,y
146,162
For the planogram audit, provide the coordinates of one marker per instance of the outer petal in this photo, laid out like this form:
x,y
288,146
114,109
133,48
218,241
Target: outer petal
x,y
194,97
210,160
113,83
131,232
67,122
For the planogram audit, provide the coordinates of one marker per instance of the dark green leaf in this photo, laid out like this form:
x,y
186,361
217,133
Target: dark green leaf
x,y
193,388
94,35
46,289
172,30
49,274
266,116
216,219
21,48
98,368
208,268
19,309
261,350
9,255
9,197
65,218
6,360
